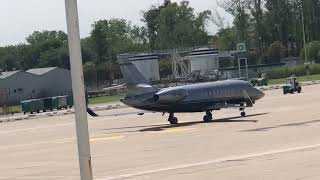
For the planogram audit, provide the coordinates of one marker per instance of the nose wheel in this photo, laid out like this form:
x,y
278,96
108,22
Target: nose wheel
x,y
173,120
208,117
243,113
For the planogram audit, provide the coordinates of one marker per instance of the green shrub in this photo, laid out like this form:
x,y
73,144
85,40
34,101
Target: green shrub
x,y
300,70
313,51
315,69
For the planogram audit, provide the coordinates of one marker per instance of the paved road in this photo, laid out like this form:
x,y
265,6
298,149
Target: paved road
x,y
278,140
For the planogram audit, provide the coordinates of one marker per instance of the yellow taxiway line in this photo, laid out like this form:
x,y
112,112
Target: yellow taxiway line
x,y
171,130
97,139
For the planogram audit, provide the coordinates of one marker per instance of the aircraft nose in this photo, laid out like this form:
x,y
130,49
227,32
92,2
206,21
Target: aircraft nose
x,y
259,94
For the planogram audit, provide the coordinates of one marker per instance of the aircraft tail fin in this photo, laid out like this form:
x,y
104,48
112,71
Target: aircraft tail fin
x,y
130,73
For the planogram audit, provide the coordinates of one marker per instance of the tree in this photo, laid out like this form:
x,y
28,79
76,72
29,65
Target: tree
x,y
227,39
313,51
41,37
173,25
165,67
151,19
275,52
217,19
238,9
112,37
259,27
279,18
90,74
43,49
9,58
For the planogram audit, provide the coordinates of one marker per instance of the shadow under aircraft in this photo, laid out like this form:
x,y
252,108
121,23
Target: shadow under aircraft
x,y
202,97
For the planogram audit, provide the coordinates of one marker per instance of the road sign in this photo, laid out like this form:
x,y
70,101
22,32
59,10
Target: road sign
x,y
241,47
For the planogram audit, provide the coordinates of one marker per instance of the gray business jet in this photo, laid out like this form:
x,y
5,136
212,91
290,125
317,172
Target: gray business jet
x,y
203,97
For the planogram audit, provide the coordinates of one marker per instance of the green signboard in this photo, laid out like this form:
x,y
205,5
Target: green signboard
x,y
241,47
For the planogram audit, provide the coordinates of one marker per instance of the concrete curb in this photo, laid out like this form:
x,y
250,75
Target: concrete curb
x,y
57,113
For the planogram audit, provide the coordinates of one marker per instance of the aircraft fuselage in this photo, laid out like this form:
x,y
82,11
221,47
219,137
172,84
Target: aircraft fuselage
x,y
196,97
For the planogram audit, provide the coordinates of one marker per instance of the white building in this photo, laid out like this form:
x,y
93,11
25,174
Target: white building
x,y
204,60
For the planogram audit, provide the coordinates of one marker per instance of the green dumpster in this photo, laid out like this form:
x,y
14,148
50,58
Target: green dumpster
x,y
55,103
62,102
70,101
31,106
50,103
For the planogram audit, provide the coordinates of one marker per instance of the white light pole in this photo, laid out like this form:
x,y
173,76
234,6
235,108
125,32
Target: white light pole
x,y
78,90
304,34
304,40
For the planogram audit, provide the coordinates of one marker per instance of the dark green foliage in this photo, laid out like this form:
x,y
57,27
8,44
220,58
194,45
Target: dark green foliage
x,y
227,39
173,25
43,49
90,74
313,51
165,67
300,70
9,58
275,52
112,37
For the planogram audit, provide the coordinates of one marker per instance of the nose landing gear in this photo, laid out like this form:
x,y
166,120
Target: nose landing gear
x,y
243,113
208,117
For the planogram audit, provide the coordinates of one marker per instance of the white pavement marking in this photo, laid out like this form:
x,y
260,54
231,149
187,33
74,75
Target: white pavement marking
x,y
36,128
214,161
63,141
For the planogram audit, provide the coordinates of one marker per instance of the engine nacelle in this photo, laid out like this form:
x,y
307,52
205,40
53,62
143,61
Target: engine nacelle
x,y
170,96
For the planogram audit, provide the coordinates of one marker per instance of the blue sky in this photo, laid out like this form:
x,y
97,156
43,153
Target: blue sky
x,y
19,18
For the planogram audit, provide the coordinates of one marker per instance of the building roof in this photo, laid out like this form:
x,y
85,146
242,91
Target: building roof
x,y
41,71
6,74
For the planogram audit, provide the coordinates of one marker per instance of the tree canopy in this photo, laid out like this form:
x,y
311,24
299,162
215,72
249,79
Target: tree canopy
x,y
272,29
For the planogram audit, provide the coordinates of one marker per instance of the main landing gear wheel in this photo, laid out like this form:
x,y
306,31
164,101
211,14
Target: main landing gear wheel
x,y
207,117
173,120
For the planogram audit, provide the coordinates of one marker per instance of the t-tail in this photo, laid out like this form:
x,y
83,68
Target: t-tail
x,y
136,83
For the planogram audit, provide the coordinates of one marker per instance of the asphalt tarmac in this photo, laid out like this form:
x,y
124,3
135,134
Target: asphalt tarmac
x,y
279,139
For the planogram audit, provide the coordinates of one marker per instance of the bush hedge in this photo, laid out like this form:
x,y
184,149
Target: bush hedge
x,y
299,70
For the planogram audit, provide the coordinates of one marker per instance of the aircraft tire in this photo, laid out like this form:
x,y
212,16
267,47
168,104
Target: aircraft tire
x,y
243,114
173,120
299,89
207,118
